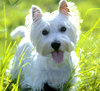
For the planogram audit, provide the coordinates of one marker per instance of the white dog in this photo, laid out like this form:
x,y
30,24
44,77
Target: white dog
x,y
46,56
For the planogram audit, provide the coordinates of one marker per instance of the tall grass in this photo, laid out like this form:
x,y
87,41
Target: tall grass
x,y
87,49
90,60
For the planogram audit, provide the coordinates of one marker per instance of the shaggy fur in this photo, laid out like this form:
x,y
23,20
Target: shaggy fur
x,y
43,65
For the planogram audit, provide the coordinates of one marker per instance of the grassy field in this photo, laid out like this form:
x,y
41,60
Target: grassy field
x,y
12,14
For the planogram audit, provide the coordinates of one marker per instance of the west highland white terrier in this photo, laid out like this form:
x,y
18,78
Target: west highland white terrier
x,y
45,57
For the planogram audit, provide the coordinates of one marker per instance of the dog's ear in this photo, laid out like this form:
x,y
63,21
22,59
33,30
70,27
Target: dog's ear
x,y
36,13
63,8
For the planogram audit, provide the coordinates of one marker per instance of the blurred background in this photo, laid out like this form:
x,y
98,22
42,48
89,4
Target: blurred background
x,y
16,10
13,12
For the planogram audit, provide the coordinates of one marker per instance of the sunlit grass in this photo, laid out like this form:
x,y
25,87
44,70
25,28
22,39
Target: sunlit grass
x,y
4,65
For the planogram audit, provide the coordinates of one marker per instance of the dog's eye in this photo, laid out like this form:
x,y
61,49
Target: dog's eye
x,y
45,32
63,29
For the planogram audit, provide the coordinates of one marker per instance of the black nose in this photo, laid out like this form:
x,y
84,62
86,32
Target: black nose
x,y
55,45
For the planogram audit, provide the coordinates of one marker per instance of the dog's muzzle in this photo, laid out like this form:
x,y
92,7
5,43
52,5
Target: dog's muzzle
x,y
57,55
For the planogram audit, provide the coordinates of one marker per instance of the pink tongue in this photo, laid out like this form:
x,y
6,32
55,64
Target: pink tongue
x,y
58,56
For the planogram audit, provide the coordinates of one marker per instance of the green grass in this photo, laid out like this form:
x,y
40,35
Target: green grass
x,y
87,48
89,60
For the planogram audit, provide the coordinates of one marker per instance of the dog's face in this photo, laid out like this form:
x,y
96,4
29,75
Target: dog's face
x,y
53,34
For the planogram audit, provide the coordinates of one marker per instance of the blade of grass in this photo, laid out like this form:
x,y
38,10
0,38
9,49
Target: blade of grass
x,y
22,55
6,52
89,69
5,26
81,41
18,78
91,9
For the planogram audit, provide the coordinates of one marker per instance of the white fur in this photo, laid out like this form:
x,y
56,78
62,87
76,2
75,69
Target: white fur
x,y
20,31
41,67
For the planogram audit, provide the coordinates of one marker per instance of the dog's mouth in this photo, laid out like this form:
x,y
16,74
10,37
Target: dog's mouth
x,y
58,56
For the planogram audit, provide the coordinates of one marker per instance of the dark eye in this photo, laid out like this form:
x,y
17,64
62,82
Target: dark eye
x,y
63,29
45,32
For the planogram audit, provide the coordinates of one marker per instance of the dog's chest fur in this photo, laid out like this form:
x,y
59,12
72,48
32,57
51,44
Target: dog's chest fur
x,y
46,71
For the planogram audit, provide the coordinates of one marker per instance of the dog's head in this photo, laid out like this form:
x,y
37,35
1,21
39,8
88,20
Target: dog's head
x,y
53,33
